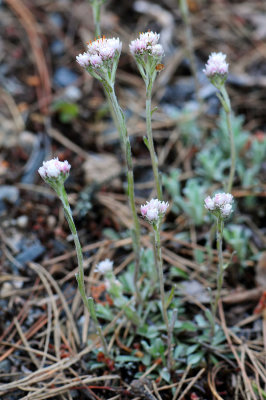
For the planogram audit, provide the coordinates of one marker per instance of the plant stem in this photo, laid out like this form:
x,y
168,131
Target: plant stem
x,y
228,111
119,121
96,9
154,159
189,45
162,293
220,271
80,276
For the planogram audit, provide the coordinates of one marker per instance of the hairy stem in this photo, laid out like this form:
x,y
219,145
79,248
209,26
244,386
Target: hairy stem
x,y
80,276
189,45
220,271
228,110
162,292
154,159
119,121
96,9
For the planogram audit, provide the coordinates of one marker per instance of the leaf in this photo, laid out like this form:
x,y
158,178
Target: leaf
x,y
192,349
145,140
165,375
170,298
195,358
126,359
153,110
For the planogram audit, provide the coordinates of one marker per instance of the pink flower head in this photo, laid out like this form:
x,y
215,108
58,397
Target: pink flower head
x,y
221,203
216,65
53,169
209,203
83,60
226,210
146,43
154,209
104,266
99,51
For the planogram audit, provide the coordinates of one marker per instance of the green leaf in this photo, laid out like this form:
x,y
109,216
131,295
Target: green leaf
x,y
170,297
145,140
192,349
185,326
67,111
195,358
165,375
153,110
127,359
179,273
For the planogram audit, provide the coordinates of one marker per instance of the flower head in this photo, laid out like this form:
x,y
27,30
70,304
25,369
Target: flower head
x,y
216,65
153,210
147,43
100,52
221,203
104,266
54,170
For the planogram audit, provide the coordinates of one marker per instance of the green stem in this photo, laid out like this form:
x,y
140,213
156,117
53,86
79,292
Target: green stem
x,y
162,292
154,159
119,121
228,111
189,45
80,276
220,271
96,9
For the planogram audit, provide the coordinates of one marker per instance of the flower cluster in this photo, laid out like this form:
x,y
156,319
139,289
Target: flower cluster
x,y
54,169
104,266
216,65
154,209
147,43
99,52
221,203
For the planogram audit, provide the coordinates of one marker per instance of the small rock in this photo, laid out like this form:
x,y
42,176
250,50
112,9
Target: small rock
x,y
9,193
6,288
5,366
51,221
31,253
22,221
57,47
64,77
73,93
56,19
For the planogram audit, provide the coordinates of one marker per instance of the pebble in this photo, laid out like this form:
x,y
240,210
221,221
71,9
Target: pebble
x,y
31,253
51,221
57,47
9,193
73,93
22,221
5,366
64,77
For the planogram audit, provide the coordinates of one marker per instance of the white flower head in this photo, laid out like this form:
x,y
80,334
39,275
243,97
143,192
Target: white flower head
x,y
104,266
146,43
153,210
100,51
220,203
54,169
216,65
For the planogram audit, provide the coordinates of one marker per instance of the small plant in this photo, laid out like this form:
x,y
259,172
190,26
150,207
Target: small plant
x,y
216,70
148,54
54,173
221,207
101,61
67,111
191,203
